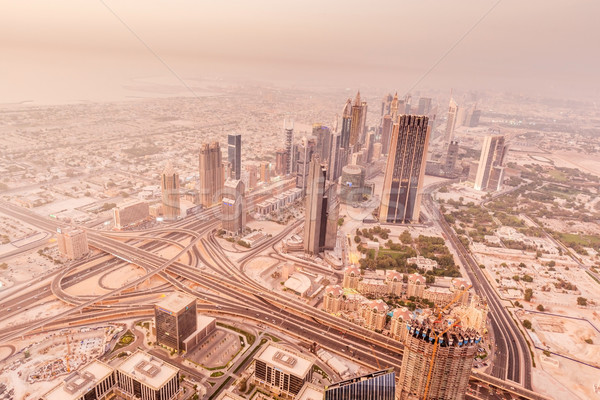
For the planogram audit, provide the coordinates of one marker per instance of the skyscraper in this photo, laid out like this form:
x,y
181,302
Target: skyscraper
x,y
490,170
451,157
323,137
357,123
424,106
315,192
265,172
289,146
335,158
281,162
346,124
303,155
72,242
386,104
175,320
234,206
436,363
169,185
211,174
380,385
402,186
234,155
451,121
386,133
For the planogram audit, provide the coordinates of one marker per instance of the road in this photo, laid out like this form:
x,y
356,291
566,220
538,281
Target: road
x,y
512,359
220,283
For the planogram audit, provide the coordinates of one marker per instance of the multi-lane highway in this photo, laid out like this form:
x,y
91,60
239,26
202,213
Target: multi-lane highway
x,y
208,273
512,357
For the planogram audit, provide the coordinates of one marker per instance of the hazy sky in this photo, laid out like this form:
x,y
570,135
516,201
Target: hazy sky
x,y
63,50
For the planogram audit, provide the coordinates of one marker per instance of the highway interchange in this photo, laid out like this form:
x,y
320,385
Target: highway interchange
x,y
201,268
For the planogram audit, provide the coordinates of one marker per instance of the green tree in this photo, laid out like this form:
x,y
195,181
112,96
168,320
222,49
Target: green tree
x,y
406,237
527,323
581,301
540,307
356,239
528,294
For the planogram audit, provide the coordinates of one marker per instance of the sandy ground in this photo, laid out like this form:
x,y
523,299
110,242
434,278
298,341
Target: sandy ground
x,y
35,313
25,267
260,268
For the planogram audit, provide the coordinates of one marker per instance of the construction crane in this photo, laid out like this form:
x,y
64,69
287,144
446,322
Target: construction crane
x,y
436,340
375,357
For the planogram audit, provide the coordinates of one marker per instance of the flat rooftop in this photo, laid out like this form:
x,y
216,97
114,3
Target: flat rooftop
x,y
286,360
79,382
229,396
149,370
310,392
204,321
176,302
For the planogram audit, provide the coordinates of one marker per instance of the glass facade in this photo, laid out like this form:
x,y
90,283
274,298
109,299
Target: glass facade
x,y
376,386
404,171
234,155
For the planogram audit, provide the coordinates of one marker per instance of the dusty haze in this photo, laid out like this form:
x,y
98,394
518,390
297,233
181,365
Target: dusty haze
x,y
67,50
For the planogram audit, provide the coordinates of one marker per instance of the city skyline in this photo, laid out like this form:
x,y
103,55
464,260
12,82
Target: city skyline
x,y
300,201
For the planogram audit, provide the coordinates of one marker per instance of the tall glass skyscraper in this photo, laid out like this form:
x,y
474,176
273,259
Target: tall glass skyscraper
x,y
402,185
234,155
379,385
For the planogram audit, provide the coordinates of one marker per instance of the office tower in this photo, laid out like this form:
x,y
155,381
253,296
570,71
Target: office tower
x,y
424,106
369,146
473,118
72,243
281,162
352,185
289,146
407,104
346,124
451,157
451,121
265,172
402,187
211,174
335,162
376,151
304,152
323,138
363,122
490,171
386,104
380,385
144,377
175,320
386,133
281,371
394,107
437,360
130,212
356,125
331,206
315,192
234,207
252,177
169,185
234,156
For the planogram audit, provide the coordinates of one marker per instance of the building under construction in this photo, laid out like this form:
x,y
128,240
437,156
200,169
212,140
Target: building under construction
x,y
437,360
